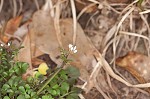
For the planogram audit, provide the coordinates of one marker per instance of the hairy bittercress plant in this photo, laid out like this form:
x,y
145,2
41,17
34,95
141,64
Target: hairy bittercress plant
x,y
57,84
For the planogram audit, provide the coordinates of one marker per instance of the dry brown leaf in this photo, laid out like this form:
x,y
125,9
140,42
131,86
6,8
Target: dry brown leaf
x,y
36,61
13,25
10,28
22,30
25,55
137,64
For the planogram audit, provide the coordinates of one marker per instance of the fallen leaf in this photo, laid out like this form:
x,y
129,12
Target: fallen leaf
x,y
36,61
13,25
137,64
25,55
10,28
22,30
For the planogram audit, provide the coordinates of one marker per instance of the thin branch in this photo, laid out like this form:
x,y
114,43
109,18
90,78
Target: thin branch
x,y
15,8
1,5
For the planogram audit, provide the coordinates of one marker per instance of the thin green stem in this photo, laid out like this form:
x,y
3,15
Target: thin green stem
x,y
66,94
51,78
48,81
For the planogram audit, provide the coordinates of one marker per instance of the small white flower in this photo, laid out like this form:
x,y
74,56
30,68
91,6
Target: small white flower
x,y
70,46
73,48
75,51
8,44
2,45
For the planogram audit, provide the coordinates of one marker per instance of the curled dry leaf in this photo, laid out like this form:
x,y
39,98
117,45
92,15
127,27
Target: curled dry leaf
x,y
11,26
137,64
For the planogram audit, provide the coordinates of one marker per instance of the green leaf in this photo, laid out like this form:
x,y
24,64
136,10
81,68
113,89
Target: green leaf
x,y
6,97
47,97
20,67
17,80
10,91
24,67
76,90
53,82
73,72
5,87
52,91
33,93
27,96
64,77
5,74
65,86
30,79
11,71
72,96
55,86
22,89
71,81
62,72
21,97
58,91
37,75
17,70
11,80
27,87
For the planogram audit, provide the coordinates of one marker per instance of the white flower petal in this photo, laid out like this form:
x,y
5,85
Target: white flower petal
x,y
8,44
74,48
71,49
75,51
2,45
70,46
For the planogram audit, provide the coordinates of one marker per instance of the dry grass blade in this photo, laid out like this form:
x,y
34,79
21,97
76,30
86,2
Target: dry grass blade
x,y
48,6
21,7
94,1
134,34
81,96
108,36
146,23
1,5
15,8
117,29
145,12
90,83
111,73
37,4
85,9
100,90
148,28
56,23
74,21
109,6
128,7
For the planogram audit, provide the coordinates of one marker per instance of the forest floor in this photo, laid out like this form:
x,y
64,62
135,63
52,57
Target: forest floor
x,y
112,39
